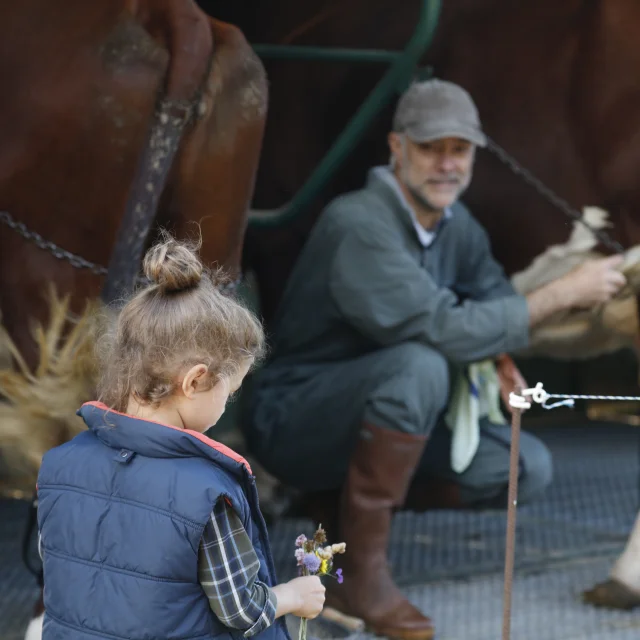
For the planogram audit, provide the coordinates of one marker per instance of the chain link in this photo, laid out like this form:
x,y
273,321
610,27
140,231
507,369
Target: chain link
x,y
77,261
56,251
550,196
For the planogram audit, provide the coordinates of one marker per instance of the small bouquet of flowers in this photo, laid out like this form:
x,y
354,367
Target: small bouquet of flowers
x,y
314,559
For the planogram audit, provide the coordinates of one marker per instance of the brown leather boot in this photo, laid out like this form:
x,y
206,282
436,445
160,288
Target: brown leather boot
x,y
380,470
432,493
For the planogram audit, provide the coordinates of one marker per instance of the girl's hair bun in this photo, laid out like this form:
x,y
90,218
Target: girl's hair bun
x,y
174,266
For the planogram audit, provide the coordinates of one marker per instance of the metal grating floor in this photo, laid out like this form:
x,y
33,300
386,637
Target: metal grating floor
x,y
18,588
451,562
545,605
589,509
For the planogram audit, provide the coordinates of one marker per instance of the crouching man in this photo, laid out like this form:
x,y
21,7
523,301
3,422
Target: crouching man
x,y
395,290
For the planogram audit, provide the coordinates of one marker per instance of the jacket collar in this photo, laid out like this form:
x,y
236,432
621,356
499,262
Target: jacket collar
x,y
155,440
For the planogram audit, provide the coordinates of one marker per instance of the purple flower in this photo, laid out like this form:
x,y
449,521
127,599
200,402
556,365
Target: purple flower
x,y
299,556
300,540
339,576
311,562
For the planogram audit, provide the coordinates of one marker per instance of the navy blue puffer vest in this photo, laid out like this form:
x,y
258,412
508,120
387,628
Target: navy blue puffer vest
x,y
122,509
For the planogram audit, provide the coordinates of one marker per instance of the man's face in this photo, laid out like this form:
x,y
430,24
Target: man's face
x,y
435,172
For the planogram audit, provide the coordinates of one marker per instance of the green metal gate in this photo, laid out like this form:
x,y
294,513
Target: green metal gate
x,y
403,64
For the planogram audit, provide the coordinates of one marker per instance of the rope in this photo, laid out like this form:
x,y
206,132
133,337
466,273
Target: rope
x,y
540,396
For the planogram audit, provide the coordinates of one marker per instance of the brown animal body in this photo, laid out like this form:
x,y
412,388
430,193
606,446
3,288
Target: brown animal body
x,y
80,82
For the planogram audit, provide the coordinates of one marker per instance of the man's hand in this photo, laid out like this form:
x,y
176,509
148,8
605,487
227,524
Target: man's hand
x,y
592,283
595,281
510,378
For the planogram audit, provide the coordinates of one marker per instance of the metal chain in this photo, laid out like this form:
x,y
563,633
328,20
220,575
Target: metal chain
x,y
551,196
75,260
56,251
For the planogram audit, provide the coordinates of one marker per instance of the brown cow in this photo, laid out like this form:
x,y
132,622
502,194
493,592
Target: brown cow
x,y
79,89
81,82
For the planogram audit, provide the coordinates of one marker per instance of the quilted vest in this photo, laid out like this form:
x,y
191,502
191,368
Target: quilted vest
x,y
122,508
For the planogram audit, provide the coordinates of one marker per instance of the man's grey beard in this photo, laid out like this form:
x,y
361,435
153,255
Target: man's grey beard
x,y
422,200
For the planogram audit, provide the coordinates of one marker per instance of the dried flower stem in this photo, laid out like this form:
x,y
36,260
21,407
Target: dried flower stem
x,y
302,635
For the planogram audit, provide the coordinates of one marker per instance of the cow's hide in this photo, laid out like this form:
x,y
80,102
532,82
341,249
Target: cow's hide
x,y
583,334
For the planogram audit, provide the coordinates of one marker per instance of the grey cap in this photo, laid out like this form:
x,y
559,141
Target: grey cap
x,y
436,109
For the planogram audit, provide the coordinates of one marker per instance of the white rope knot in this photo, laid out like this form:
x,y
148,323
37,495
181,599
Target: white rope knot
x,y
537,394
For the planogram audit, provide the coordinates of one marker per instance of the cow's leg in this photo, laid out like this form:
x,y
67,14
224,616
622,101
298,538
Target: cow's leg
x,y
627,568
622,589
34,630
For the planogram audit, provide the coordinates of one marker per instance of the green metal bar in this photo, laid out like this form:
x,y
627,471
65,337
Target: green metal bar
x,y
327,54
397,76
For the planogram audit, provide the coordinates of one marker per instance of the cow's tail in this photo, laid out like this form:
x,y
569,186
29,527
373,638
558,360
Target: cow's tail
x,y
38,407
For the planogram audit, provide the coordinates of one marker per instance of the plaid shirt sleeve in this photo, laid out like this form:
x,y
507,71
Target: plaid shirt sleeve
x,y
228,569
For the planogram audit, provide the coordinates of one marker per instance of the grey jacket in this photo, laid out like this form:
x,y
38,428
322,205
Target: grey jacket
x,y
364,280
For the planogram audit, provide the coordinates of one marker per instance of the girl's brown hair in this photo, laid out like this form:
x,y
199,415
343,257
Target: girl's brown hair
x,y
181,319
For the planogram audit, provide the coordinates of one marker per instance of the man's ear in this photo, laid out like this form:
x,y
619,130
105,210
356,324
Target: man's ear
x,y
395,147
192,378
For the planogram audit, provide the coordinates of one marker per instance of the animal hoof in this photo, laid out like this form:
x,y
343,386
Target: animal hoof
x,y
612,595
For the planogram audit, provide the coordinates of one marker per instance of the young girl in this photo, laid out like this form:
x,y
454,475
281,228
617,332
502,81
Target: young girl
x,y
149,529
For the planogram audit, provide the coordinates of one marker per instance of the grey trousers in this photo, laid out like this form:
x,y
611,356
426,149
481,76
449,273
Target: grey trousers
x,y
304,433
